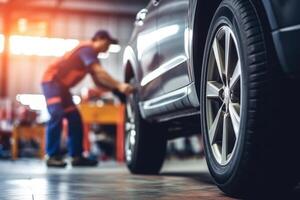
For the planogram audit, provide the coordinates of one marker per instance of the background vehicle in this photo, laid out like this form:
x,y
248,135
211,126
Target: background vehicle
x,y
236,63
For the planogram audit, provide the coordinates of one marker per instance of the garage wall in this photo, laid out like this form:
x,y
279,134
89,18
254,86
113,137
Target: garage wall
x,y
25,72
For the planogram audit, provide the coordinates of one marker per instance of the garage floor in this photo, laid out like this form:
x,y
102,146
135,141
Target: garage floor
x,y
30,179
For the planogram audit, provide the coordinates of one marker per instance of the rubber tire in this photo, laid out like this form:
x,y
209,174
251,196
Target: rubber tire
x,y
150,147
255,168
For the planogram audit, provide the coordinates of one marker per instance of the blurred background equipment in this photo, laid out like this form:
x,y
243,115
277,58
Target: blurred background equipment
x,y
103,114
28,141
186,148
6,119
28,137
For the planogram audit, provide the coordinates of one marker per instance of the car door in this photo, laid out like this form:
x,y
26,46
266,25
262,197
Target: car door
x,y
147,51
172,27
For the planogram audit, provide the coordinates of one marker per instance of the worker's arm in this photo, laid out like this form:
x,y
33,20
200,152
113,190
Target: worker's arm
x,y
101,77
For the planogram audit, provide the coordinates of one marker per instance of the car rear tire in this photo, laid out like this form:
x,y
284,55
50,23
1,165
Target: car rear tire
x,y
145,144
242,135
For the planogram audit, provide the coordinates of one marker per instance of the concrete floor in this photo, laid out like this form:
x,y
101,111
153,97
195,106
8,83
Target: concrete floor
x,y
30,179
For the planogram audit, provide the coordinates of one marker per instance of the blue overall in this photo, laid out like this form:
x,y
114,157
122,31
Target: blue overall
x,y
57,81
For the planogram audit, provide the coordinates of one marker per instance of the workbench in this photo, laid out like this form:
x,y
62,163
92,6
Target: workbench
x,y
104,114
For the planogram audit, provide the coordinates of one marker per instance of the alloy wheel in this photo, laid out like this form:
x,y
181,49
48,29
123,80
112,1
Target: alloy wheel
x,y
130,132
223,95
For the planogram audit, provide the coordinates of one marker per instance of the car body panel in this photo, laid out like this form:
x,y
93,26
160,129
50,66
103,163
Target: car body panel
x,y
284,19
174,101
172,24
281,13
147,53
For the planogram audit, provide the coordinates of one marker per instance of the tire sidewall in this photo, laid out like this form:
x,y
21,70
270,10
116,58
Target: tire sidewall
x,y
150,142
132,101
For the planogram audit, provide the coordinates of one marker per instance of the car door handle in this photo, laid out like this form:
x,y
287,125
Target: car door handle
x,y
155,2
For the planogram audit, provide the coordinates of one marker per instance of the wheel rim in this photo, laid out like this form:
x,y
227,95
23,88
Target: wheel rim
x,y
130,132
223,95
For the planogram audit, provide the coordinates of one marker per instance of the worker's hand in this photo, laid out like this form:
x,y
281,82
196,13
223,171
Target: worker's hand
x,y
125,88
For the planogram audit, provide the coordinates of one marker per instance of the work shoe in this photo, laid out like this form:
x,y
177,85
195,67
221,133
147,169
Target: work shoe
x,y
56,161
83,162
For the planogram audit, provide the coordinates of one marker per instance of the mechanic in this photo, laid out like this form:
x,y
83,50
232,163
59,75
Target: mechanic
x,y
62,75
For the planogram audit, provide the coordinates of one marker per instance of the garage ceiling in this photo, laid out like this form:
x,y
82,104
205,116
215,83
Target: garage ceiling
x,y
116,1
87,1
93,6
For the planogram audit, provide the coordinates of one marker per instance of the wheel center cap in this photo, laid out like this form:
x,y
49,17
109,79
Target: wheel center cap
x,y
226,97
226,94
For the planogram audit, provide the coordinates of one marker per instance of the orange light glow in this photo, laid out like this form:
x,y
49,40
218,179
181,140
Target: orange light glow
x,y
1,43
38,101
22,25
45,46
40,46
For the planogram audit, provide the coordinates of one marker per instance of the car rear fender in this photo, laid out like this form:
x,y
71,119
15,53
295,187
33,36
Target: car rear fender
x,y
200,16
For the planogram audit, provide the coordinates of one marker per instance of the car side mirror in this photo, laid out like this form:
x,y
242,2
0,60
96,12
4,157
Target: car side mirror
x,y
140,17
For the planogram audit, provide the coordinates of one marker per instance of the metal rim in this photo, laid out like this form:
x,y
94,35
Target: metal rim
x,y
130,132
223,95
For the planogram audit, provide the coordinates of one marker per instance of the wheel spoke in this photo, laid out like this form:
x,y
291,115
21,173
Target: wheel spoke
x,y
236,75
225,139
215,125
132,137
129,111
213,89
234,110
128,126
218,58
227,53
130,142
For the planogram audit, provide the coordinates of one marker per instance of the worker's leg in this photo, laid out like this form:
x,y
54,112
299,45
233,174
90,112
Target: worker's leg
x,y
53,132
53,97
76,138
75,132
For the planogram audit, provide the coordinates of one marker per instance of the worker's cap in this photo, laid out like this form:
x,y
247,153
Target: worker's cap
x,y
101,34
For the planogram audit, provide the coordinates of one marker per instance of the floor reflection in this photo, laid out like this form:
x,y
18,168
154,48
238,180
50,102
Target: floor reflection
x,y
32,180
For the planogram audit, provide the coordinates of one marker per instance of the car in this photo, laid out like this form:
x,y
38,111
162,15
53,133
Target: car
x,y
229,69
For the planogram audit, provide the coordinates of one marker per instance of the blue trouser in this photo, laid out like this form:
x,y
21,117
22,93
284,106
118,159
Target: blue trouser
x,y
60,105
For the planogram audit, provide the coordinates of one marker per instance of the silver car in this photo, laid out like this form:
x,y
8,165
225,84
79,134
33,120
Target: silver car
x,y
228,69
